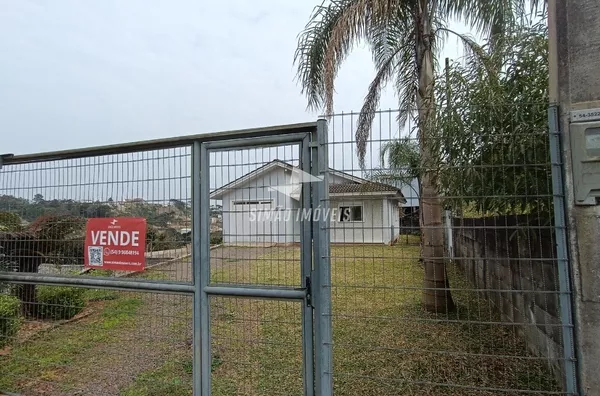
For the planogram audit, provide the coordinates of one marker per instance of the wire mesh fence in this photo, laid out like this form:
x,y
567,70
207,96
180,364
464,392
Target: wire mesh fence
x,y
470,303
99,342
253,189
258,345
72,340
45,206
445,273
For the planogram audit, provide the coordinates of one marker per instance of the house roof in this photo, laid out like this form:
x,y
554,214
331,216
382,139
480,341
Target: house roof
x,y
356,186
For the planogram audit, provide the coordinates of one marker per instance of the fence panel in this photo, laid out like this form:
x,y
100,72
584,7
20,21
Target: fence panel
x,y
479,314
58,338
79,314
258,346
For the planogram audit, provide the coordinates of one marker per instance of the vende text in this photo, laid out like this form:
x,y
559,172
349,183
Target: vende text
x,y
116,238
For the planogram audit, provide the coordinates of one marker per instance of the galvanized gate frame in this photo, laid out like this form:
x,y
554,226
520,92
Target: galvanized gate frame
x,y
315,290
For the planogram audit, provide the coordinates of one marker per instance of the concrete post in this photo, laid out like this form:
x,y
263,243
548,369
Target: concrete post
x,y
574,29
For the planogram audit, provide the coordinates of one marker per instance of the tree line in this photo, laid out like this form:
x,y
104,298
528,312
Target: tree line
x,y
157,215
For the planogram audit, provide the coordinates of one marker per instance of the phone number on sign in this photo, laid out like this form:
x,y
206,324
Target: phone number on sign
x,y
108,252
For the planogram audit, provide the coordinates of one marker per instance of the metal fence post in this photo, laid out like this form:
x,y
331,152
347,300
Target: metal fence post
x,y
201,270
564,276
306,259
197,349
323,327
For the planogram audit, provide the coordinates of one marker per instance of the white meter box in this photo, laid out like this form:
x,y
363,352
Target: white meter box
x,y
585,148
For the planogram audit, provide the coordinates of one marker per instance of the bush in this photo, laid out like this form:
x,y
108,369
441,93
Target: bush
x,y
9,318
216,237
60,303
9,221
164,239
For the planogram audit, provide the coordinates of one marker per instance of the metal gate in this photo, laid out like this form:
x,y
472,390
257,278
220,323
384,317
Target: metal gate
x,y
203,317
302,290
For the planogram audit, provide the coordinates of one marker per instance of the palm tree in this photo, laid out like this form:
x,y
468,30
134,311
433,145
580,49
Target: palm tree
x,y
404,36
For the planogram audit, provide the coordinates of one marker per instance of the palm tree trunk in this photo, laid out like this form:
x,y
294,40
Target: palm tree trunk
x,y
436,293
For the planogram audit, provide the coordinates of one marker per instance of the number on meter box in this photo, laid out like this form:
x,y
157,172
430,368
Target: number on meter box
x,y
116,243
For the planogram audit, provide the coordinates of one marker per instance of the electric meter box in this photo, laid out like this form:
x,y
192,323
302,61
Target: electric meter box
x,y
585,150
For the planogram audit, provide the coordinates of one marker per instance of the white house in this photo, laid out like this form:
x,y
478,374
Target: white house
x,y
264,206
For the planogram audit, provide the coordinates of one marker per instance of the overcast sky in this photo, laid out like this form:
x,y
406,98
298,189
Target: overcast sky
x,y
83,73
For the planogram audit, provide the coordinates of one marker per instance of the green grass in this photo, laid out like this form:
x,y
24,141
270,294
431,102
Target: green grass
x,y
172,378
385,343
45,357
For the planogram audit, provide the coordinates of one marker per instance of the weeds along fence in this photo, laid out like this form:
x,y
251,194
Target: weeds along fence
x,y
279,264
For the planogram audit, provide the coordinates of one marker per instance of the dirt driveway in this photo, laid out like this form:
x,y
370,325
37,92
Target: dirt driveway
x,y
220,257
158,330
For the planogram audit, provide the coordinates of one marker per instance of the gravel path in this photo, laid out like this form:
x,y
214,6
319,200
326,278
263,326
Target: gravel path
x,y
162,328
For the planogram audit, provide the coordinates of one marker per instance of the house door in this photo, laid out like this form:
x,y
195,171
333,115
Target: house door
x,y
254,272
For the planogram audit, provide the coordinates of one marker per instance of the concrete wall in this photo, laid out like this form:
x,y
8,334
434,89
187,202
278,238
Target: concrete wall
x,y
517,270
574,55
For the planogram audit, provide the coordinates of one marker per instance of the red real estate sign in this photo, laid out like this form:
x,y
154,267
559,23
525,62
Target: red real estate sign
x,y
117,243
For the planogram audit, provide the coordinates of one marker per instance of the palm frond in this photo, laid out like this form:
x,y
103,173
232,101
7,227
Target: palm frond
x,y
396,60
406,85
312,48
474,51
403,159
489,17
327,39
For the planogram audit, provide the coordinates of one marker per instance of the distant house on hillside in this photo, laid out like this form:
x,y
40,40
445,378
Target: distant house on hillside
x,y
257,210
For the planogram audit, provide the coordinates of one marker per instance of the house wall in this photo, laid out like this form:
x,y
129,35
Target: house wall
x,y
265,225
373,229
410,192
240,225
393,216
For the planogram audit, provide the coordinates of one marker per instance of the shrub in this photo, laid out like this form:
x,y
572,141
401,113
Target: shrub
x,y
164,239
59,303
9,318
216,237
9,221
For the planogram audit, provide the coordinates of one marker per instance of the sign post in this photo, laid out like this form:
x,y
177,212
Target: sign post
x,y
117,243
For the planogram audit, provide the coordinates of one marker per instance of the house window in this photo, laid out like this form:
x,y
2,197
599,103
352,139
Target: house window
x,y
249,205
351,213
267,202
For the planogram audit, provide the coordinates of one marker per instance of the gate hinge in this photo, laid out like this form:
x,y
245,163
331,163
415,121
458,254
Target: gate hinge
x,y
308,284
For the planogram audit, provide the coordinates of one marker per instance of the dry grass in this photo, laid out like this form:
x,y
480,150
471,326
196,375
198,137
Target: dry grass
x,y
384,343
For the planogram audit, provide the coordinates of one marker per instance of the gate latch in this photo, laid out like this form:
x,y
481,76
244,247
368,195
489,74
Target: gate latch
x,y
308,291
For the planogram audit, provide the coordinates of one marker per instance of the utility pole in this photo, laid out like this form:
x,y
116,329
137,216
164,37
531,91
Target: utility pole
x,y
574,56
